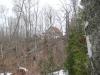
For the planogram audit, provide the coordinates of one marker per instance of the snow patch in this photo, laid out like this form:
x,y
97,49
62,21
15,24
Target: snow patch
x,y
23,68
6,73
60,72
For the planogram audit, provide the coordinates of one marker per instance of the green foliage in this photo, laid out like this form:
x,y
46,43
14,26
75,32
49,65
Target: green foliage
x,y
77,59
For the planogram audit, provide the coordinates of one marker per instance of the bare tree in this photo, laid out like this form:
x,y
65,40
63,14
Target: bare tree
x,y
3,30
20,7
75,9
67,8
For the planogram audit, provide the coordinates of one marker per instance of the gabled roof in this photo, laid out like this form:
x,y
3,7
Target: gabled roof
x,y
54,29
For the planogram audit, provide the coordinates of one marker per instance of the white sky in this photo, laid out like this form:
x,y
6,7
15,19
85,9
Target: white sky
x,y
50,2
56,4
53,3
6,3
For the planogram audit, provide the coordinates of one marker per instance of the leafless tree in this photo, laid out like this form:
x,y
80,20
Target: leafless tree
x,y
4,33
28,24
75,9
67,10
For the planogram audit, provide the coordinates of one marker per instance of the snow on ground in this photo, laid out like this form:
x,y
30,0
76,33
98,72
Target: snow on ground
x,y
6,74
23,68
60,72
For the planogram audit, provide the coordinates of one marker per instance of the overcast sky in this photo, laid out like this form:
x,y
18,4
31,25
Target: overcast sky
x,y
56,4
53,3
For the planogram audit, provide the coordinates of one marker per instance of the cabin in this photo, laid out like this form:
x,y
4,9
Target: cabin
x,y
53,33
